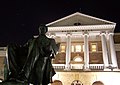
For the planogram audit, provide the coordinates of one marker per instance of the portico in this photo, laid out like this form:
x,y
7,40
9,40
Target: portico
x,y
80,28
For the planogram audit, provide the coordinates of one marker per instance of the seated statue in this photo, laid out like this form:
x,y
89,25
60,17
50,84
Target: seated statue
x,y
31,63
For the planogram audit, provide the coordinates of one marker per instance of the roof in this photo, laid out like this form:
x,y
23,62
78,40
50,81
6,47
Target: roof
x,y
78,17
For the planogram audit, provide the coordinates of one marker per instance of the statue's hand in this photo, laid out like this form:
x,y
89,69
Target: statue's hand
x,y
52,56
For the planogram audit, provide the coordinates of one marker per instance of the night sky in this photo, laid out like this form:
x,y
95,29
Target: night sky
x,y
20,19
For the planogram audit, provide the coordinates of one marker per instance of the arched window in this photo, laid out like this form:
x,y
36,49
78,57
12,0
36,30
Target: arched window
x,y
98,83
57,82
76,82
78,58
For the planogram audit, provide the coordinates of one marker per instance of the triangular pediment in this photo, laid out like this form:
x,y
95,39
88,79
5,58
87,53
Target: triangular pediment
x,y
78,19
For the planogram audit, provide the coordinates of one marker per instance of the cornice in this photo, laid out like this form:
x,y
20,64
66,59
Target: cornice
x,y
105,27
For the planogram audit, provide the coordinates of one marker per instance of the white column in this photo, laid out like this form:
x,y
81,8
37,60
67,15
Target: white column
x,y
104,50
86,52
68,52
112,51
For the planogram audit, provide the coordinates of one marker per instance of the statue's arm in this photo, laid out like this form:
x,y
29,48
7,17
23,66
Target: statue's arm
x,y
55,46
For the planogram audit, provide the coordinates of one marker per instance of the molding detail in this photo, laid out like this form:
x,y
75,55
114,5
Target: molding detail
x,y
82,28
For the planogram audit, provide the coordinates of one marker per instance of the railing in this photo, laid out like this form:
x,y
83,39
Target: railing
x,y
80,66
58,66
96,66
77,66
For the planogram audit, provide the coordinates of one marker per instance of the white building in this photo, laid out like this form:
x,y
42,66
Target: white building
x,y
76,31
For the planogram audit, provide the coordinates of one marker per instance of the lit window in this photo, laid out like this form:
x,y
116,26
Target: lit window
x,y
72,48
62,48
94,48
78,48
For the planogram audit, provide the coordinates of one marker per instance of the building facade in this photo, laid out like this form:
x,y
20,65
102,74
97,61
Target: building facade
x,y
89,50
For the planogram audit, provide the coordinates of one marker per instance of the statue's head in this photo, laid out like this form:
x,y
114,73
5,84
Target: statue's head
x,y
43,29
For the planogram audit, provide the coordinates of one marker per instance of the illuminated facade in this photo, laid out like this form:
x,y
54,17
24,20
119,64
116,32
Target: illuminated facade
x,y
87,52
86,38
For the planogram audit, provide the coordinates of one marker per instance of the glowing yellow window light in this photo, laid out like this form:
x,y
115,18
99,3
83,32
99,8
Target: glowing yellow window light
x,y
94,47
72,48
78,48
62,48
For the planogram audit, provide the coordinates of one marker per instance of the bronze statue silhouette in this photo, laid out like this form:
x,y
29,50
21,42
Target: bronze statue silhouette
x,y
31,63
